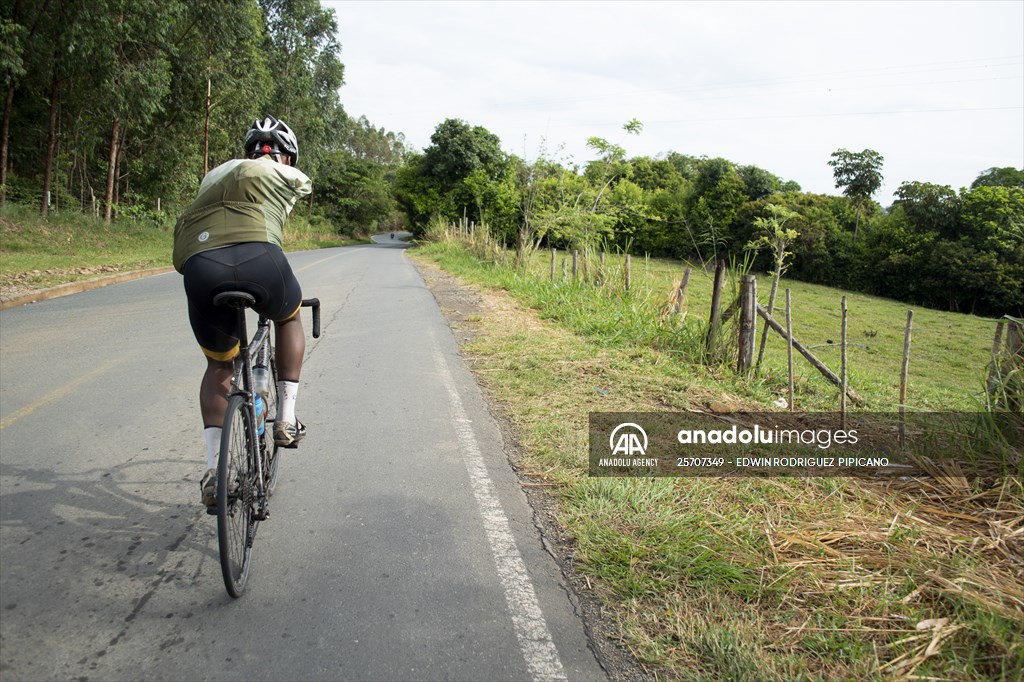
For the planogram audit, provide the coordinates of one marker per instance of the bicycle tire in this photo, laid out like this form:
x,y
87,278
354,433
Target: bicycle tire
x,y
236,493
273,461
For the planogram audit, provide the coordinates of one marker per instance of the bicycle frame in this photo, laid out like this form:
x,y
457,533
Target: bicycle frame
x,y
242,383
258,348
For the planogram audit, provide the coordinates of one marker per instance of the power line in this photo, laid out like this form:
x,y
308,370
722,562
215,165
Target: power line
x,y
837,115
897,70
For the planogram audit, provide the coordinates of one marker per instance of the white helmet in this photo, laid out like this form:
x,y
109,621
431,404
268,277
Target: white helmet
x,y
271,136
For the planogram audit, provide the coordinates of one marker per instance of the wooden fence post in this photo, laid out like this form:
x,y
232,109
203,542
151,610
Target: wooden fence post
x,y
629,272
682,290
995,355
789,345
904,369
818,364
553,265
575,264
1013,365
747,330
842,367
715,320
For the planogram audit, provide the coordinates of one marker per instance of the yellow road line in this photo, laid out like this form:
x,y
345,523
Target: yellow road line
x,y
324,260
58,394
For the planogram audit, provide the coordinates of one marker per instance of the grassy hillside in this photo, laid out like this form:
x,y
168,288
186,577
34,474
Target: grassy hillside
x,y
949,354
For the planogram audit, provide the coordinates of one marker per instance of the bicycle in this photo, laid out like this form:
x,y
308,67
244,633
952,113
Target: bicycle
x,y
247,466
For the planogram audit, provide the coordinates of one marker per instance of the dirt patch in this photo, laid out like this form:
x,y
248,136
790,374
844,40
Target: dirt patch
x,y
21,283
464,306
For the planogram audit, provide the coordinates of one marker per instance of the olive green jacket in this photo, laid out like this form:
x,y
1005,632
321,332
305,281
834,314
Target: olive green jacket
x,y
239,201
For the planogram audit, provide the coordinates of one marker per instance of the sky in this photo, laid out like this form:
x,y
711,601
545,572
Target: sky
x,y
937,88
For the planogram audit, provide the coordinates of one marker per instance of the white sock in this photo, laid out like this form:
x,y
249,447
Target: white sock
x,y
212,435
286,393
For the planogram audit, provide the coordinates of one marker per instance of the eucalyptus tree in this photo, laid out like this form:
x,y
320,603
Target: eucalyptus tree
x,y
54,38
220,58
138,40
13,38
303,58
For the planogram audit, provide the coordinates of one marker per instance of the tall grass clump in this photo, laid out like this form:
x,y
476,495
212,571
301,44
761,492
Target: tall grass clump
x,y
609,314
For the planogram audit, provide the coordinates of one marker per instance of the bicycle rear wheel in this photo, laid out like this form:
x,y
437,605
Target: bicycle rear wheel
x,y
236,492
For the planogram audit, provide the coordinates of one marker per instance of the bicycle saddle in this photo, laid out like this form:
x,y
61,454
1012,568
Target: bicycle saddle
x,y
235,299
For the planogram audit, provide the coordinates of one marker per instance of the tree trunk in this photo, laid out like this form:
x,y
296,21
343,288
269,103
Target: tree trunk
x,y
206,129
4,136
108,198
117,167
8,111
51,144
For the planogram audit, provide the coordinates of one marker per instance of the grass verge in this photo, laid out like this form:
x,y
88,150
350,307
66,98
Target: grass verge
x,y
36,253
741,579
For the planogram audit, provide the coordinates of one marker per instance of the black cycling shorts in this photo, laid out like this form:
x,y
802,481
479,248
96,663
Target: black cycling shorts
x,y
257,268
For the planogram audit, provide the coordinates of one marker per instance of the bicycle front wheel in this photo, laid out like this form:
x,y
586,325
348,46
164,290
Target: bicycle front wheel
x,y
236,496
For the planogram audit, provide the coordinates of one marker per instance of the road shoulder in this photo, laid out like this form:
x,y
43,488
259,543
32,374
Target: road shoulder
x,y
463,307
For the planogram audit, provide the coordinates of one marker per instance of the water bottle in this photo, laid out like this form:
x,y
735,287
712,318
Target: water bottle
x,y
261,414
261,379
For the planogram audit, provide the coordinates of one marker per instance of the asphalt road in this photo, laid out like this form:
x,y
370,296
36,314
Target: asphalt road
x,y
400,544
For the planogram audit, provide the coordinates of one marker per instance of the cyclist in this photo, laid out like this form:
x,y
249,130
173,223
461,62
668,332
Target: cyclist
x,y
230,238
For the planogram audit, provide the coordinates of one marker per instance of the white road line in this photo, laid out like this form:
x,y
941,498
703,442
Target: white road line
x,y
527,619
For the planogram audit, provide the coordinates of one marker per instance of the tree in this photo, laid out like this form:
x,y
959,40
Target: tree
x,y
306,73
930,208
759,182
718,194
457,149
992,219
12,65
225,65
138,77
999,177
355,194
858,174
774,235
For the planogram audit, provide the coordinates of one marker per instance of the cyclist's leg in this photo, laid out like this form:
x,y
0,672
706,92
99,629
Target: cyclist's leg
x,y
291,347
290,341
282,303
214,330
262,270
213,392
212,327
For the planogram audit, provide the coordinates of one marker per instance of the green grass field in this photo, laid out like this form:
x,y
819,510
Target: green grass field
x,y
753,578
949,352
